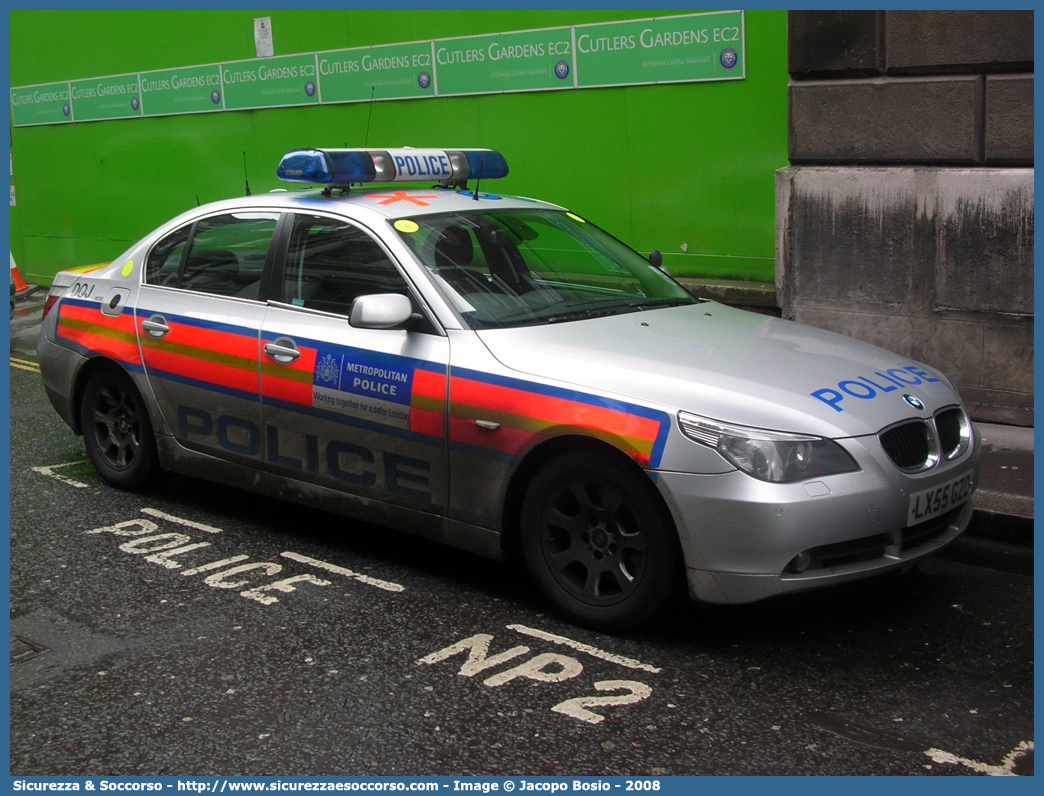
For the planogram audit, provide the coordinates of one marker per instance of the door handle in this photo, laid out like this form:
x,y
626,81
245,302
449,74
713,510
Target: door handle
x,y
156,326
284,350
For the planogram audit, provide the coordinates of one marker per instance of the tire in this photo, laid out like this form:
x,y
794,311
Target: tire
x,y
117,431
599,542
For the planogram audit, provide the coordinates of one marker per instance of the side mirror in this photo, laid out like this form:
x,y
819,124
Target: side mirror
x,y
380,311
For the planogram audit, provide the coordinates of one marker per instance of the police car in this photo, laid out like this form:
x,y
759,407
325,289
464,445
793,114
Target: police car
x,y
500,374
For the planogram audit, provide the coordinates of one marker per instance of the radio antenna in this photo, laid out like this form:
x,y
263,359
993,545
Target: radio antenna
x,y
246,179
478,179
366,140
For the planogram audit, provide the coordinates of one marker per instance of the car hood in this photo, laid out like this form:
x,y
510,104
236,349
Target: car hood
x,y
731,365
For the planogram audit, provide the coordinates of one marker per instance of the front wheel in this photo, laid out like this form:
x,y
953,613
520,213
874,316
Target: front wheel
x,y
599,541
117,431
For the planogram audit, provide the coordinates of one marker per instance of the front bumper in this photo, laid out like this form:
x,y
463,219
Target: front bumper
x,y
744,539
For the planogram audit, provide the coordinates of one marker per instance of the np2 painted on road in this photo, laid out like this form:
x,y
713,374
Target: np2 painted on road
x,y
545,667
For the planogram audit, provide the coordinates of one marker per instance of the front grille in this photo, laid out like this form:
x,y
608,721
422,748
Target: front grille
x,y
949,425
852,552
907,445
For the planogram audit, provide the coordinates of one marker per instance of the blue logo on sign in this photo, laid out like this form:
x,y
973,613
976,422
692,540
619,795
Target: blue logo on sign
x,y
134,104
423,80
310,88
328,371
561,70
215,96
729,58
65,110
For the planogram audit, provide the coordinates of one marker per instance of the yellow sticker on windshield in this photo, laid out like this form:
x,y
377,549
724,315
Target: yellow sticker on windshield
x,y
405,225
127,268
576,217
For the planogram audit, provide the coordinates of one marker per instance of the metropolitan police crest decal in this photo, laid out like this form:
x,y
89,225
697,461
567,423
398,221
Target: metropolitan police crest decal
x,y
327,370
729,58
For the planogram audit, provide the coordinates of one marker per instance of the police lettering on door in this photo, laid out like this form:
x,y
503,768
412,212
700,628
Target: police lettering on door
x,y
351,464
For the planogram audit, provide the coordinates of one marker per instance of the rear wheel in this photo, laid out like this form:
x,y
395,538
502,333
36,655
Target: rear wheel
x,y
599,542
117,431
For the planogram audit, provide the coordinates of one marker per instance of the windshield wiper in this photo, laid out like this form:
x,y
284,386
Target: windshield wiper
x,y
661,302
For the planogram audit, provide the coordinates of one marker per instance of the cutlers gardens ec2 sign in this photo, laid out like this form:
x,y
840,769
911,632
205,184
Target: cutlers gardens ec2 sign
x,y
693,47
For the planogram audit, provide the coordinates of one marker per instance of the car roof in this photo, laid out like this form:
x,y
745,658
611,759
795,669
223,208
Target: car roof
x,y
390,203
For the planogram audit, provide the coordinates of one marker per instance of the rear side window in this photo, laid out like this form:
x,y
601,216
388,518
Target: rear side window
x,y
222,255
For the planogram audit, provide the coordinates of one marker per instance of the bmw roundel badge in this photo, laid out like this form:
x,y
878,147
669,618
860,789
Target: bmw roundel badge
x,y
915,402
561,70
310,88
215,96
729,58
134,103
423,80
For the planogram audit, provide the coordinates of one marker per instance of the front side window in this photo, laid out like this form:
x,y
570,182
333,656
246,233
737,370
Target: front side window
x,y
504,268
330,263
222,255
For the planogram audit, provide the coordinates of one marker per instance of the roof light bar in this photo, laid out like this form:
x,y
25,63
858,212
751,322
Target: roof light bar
x,y
344,166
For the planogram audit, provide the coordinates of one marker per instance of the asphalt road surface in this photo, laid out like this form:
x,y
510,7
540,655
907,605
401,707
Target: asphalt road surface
x,y
193,629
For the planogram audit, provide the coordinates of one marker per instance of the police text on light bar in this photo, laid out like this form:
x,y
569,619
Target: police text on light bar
x,y
345,166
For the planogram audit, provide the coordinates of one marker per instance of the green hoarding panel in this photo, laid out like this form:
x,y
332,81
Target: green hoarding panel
x,y
105,98
394,71
47,104
665,50
193,89
532,60
270,82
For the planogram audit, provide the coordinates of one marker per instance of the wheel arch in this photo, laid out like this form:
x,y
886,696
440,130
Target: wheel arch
x,y
89,368
540,455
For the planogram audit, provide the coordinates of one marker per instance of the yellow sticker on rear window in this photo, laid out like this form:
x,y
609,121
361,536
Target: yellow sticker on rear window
x,y
405,225
576,217
127,268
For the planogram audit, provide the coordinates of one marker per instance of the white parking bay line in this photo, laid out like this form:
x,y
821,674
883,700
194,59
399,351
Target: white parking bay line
x,y
323,565
187,523
579,646
49,471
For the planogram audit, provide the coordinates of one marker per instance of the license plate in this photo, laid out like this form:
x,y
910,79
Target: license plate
x,y
939,499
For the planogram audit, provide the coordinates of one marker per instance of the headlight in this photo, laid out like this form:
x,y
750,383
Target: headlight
x,y
769,455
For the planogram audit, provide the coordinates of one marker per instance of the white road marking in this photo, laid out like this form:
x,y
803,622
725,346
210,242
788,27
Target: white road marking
x,y
49,471
1005,769
187,523
336,570
214,565
285,585
479,659
630,663
536,668
577,707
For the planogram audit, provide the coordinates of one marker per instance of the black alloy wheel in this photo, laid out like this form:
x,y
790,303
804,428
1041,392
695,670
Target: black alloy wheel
x,y
599,541
117,431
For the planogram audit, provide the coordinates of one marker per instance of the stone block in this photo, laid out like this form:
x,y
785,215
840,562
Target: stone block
x,y
835,43
935,42
1008,357
998,406
887,121
850,236
1009,120
984,240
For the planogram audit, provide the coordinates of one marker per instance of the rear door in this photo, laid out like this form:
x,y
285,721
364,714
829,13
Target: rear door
x,y
198,321
357,410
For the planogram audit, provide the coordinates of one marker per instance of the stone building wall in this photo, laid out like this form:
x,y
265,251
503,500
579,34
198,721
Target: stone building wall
x,y
906,215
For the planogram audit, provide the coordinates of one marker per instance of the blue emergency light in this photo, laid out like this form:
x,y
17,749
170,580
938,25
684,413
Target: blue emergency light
x,y
346,166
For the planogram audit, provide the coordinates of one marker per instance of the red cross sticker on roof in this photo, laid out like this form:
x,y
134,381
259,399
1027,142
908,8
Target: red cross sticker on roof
x,y
401,196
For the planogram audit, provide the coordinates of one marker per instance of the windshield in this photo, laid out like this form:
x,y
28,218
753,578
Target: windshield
x,y
504,268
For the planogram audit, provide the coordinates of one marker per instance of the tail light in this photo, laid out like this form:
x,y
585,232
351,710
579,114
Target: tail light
x,y
53,295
